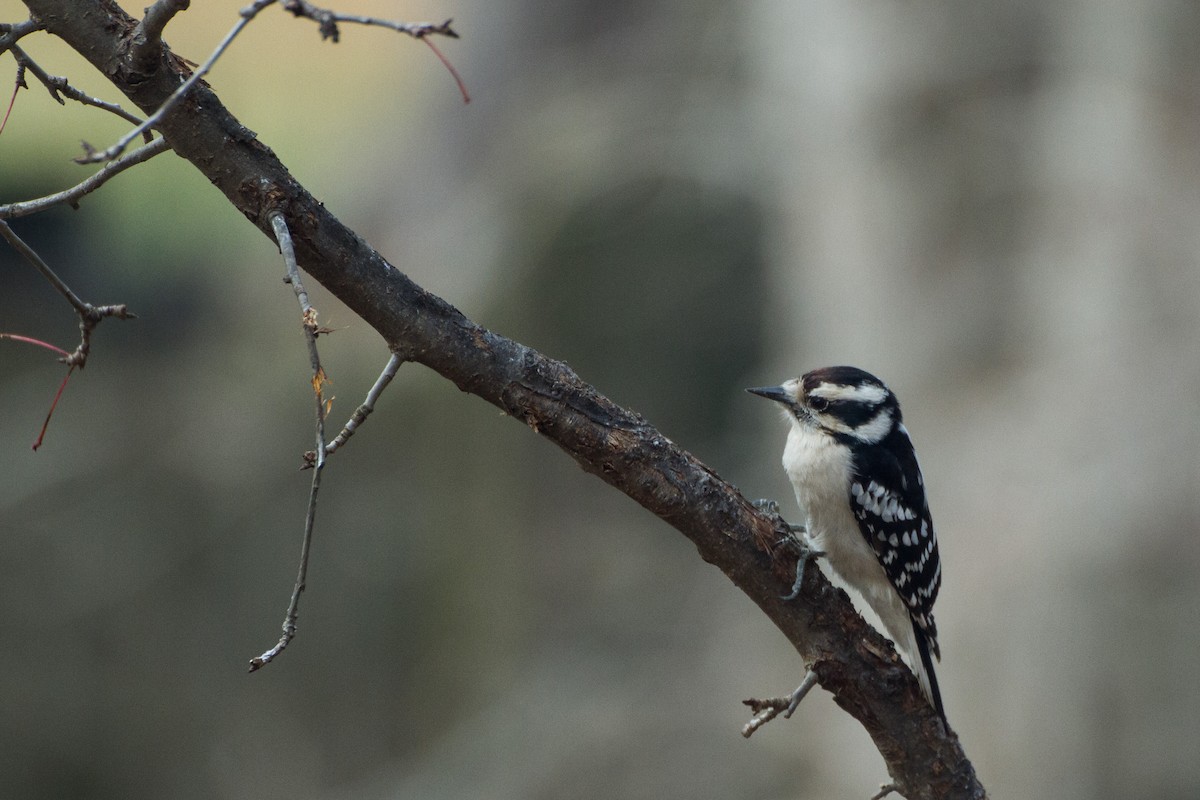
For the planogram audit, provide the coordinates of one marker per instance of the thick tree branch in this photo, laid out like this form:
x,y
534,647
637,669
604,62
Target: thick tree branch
x,y
858,666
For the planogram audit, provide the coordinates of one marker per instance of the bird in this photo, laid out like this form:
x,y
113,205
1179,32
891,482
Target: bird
x,y
854,470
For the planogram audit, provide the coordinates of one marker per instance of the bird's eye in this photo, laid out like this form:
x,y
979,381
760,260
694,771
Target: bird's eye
x,y
818,403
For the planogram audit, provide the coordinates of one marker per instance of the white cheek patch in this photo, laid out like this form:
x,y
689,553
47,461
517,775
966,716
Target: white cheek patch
x,y
876,429
870,433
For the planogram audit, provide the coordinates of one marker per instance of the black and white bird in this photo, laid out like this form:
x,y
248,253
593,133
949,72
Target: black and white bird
x,y
852,464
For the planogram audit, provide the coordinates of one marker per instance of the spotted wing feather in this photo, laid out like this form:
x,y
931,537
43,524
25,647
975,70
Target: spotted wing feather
x,y
887,496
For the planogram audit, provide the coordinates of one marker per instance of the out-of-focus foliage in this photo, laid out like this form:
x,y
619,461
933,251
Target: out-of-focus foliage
x,y
990,205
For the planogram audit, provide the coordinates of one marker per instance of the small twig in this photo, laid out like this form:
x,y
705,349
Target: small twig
x,y
327,22
53,405
146,42
361,413
309,315
89,315
59,86
769,709
10,33
462,86
884,790
16,337
247,16
18,85
33,258
73,195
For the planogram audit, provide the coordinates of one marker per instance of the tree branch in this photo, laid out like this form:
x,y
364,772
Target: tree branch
x,y
144,66
147,36
308,316
85,187
56,84
11,33
327,22
857,665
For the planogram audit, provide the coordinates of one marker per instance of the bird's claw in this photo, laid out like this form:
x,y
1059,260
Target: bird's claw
x,y
804,554
797,543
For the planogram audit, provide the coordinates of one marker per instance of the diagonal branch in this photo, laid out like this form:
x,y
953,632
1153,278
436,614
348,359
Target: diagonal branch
x,y
58,86
85,187
11,33
185,85
857,665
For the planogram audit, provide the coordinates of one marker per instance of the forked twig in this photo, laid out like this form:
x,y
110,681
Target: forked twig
x,y
16,337
58,86
10,33
769,709
89,315
327,21
309,315
361,413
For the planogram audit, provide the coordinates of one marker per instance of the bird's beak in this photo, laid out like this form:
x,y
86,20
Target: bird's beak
x,y
775,393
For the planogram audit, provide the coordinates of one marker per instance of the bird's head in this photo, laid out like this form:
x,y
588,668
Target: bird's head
x,y
842,401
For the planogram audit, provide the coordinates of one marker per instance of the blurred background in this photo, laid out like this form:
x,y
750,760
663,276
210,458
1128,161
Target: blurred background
x,y
993,206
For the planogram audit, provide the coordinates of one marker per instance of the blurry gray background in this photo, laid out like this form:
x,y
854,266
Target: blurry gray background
x,y
993,206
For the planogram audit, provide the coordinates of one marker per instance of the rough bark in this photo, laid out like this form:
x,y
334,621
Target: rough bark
x,y
853,662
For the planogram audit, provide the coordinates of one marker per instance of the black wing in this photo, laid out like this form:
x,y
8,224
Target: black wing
x,y
888,499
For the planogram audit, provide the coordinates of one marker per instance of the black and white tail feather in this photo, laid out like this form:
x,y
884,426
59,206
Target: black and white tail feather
x,y
857,480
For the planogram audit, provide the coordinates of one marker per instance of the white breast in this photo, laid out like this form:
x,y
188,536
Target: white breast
x,y
820,471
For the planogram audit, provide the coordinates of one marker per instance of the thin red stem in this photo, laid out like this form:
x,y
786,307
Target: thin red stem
x,y
462,87
11,101
53,405
16,337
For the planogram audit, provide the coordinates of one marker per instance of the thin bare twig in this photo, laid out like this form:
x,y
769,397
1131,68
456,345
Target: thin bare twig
x,y
327,22
89,315
41,266
11,33
309,315
77,192
769,709
884,790
146,42
56,84
247,16
18,84
41,437
462,85
16,337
